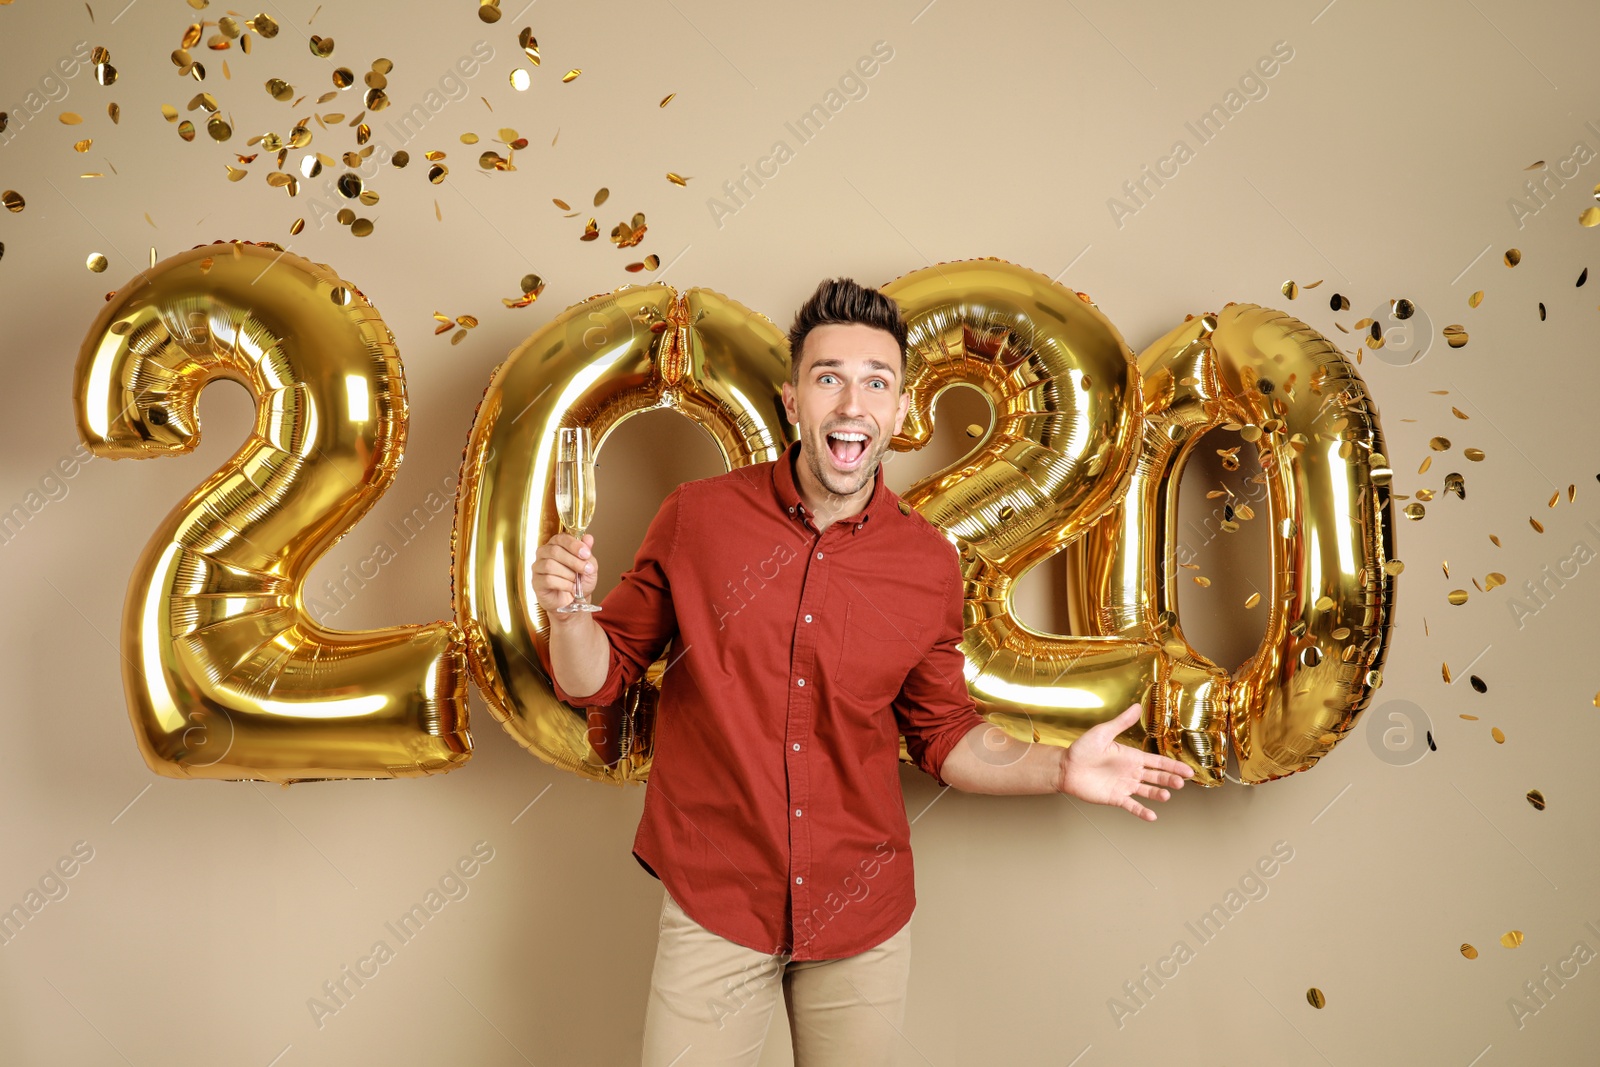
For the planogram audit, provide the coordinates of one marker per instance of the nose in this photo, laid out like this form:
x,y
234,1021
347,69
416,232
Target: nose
x,y
850,400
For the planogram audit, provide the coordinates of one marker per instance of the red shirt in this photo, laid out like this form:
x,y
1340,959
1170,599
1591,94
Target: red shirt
x,y
773,812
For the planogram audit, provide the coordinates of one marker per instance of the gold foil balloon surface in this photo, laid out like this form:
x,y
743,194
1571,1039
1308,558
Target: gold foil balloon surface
x,y
1292,393
225,675
596,364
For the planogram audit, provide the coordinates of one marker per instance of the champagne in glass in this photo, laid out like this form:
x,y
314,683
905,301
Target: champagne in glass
x,y
575,496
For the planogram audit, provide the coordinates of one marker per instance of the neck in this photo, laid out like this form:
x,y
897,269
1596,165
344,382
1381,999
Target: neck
x,y
826,506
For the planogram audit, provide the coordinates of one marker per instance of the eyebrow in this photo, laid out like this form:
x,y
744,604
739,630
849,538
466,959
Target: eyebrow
x,y
876,364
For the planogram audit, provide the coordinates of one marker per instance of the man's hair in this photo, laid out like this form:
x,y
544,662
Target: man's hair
x,y
842,300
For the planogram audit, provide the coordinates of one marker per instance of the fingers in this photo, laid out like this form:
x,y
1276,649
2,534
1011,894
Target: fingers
x,y
1132,805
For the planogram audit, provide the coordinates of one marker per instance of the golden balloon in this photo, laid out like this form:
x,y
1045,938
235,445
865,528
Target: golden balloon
x,y
597,364
226,677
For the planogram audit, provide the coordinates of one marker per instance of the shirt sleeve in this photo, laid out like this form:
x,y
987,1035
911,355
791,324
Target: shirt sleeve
x,y
637,616
934,710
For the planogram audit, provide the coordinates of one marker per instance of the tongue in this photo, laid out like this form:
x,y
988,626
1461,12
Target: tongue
x,y
846,451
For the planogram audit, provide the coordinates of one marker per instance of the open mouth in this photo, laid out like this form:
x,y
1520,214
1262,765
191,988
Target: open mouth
x,y
847,447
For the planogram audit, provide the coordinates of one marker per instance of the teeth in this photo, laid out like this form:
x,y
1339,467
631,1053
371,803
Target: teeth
x,y
849,436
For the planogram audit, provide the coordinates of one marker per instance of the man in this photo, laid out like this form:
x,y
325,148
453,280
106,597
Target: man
x,y
812,620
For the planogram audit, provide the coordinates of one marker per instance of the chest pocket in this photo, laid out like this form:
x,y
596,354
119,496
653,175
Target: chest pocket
x,y
876,651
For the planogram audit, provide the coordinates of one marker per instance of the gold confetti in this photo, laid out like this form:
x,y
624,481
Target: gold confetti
x,y
1475,299
322,47
1495,539
1202,581
530,47
1513,256
1427,461
1511,938
676,179
1290,289
1474,454
83,145
1393,567
1536,798
562,204
489,10
1324,603
1499,736
1455,336
1554,497
1440,444
1468,951
1536,524
1470,718
236,173
601,195
521,80
296,226
1315,998
571,74
1589,216
1252,600
1493,579
70,118
1457,597
590,231
1415,511
114,112
97,263
1446,672
361,227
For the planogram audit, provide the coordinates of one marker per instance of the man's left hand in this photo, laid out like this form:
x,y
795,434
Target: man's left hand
x,y
1098,769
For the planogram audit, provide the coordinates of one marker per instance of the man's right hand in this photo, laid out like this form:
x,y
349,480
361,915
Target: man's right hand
x,y
557,565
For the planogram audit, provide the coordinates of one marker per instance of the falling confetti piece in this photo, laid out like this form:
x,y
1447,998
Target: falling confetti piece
x,y
676,179
1536,798
489,10
1511,938
1475,299
1252,600
1290,289
1476,455
1393,567
1445,670
1457,597
97,263
1493,579
1315,998
1455,336
1470,718
521,80
1590,216
13,201
574,72
601,195
1478,684
1499,735
1202,581
70,118
1468,951
1513,256
1536,524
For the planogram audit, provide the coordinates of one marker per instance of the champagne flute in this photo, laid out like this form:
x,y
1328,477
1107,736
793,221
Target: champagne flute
x,y
575,496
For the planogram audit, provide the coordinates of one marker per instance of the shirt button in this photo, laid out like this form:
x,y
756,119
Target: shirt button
x,y
798,880
797,746
802,682
797,813
808,618
819,555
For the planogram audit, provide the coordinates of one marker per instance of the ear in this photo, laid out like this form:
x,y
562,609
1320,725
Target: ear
x,y
789,402
902,406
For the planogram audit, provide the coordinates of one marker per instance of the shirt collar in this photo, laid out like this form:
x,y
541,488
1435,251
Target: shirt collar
x,y
788,492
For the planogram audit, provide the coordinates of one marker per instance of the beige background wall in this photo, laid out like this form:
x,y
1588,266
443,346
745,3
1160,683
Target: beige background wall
x,y
1381,159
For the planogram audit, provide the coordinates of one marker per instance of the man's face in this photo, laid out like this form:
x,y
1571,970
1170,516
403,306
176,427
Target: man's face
x,y
848,403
